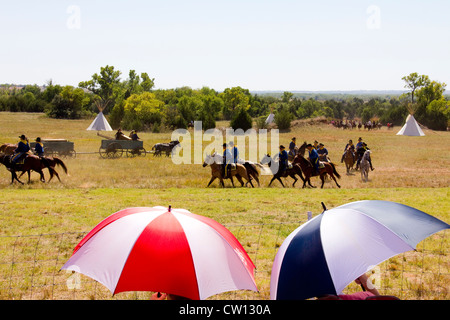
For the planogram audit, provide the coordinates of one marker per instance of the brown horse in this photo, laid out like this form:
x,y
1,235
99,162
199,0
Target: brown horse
x,y
30,162
50,163
252,170
8,148
349,160
290,171
308,170
215,161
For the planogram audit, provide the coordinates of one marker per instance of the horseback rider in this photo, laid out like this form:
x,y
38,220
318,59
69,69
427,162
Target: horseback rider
x,y
323,152
313,158
349,146
316,145
360,151
20,152
39,148
292,147
227,158
283,159
359,144
234,152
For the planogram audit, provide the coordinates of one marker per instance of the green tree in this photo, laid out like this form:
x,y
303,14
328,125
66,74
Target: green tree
x,y
241,119
233,99
69,104
413,81
366,114
283,119
104,85
142,111
438,114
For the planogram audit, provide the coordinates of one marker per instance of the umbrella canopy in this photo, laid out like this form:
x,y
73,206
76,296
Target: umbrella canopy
x,y
328,252
166,250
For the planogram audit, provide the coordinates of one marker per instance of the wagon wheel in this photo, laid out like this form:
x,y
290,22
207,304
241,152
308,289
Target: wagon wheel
x,y
113,150
73,153
136,152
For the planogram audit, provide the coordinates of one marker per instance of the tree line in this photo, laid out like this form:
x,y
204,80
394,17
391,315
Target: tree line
x,y
134,103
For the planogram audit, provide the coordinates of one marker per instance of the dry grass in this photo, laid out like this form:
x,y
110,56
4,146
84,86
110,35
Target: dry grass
x,y
410,170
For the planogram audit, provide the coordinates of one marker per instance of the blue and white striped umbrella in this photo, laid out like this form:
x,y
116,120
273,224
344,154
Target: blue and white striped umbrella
x,y
331,250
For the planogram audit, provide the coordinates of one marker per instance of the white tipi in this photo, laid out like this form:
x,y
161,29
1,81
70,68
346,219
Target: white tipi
x,y
269,119
100,123
271,116
411,128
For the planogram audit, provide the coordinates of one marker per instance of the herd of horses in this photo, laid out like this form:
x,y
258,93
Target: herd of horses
x,y
243,170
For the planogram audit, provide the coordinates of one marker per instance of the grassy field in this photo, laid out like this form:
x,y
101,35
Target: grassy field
x,y
410,170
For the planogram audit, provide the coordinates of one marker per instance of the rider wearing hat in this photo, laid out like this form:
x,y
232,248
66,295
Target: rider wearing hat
x,y
283,159
226,161
234,152
316,144
313,157
20,152
323,152
39,148
361,152
292,146
351,147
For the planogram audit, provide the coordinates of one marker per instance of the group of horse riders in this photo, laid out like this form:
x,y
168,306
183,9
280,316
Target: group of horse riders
x,y
23,148
357,151
317,153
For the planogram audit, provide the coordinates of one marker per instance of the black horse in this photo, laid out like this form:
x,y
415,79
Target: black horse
x,y
164,147
290,171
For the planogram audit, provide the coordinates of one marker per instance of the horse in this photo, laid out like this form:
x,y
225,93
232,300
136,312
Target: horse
x,y
164,147
365,166
308,170
30,162
215,161
51,163
251,169
8,148
290,171
349,160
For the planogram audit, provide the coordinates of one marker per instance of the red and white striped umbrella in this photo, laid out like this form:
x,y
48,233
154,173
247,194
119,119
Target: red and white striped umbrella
x,y
165,250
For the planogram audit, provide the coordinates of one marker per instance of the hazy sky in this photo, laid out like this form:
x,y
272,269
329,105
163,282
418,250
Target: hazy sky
x,y
259,45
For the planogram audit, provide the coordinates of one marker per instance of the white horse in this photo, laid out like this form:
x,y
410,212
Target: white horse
x,y
365,166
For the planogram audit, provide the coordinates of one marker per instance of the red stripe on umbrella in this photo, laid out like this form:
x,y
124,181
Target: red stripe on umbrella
x,y
164,241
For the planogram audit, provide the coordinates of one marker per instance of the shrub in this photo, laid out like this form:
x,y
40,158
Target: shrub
x,y
283,119
241,120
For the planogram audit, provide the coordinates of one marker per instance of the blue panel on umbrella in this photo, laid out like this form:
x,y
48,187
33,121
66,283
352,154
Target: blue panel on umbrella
x,y
408,223
305,253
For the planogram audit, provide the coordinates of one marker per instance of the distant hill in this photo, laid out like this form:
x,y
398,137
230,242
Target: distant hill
x,y
333,92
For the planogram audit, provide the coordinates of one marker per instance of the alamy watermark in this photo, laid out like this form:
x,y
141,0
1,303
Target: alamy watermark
x,y
73,22
256,144
373,21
